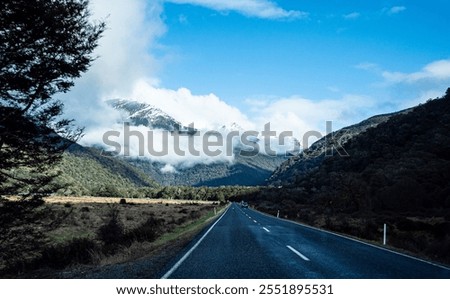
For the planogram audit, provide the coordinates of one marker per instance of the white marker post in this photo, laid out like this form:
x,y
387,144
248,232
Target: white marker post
x,y
384,234
278,214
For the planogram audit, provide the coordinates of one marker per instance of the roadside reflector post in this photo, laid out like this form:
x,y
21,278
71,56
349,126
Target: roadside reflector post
x,y
215,211
384,234
278,214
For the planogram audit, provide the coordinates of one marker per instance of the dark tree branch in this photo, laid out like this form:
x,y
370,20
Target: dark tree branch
x,y
44,46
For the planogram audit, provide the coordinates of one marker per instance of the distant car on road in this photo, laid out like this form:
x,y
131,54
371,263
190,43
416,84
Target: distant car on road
x,y
244,204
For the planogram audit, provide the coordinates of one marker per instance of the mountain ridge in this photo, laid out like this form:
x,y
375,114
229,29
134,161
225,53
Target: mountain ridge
x,y
145,114
310,158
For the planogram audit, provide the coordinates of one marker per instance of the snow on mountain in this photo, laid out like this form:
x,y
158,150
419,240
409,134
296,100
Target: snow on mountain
x,y
232,127
141,114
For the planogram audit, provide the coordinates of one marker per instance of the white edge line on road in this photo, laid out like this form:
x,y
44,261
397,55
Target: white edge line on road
x,y
178,264
297,253
266,229
356,240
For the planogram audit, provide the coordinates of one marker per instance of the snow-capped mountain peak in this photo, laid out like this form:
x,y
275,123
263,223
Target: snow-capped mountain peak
x,y
142,114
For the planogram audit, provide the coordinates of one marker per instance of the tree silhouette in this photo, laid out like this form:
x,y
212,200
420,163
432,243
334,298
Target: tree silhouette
x,y
44,46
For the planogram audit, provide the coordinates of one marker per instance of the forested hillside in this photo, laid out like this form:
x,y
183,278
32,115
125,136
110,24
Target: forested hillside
x,y
400,165
86,171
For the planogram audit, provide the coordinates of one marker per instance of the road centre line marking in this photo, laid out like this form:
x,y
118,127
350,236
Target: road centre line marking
x,y
178,264
266,229
297,253
255,221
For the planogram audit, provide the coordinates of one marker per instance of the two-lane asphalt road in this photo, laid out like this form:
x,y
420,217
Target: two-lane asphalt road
x,y
244,243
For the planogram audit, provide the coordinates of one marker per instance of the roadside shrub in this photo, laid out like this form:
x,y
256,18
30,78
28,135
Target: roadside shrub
x,y
414,242
194,215
78,251
112,232
107,191
405,224
441,230
440,249
184,211
371,231
328,222
181,220
148,231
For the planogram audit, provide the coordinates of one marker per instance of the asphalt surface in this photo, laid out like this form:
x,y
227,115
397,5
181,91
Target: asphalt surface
x,y
244,243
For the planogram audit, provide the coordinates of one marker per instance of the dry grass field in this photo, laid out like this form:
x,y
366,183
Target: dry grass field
x,y
92,199
67,232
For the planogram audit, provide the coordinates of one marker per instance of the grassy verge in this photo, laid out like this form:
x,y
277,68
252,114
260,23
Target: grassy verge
x,y
165,247
76,233
185,230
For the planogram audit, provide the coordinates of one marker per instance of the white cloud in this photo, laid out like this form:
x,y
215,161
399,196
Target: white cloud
x,y
352,16
123,55
333,88
421,98
209,112
168,169
132,27
158,146
301,115
435,71
206,111
409,89
367,66
264,9
395,10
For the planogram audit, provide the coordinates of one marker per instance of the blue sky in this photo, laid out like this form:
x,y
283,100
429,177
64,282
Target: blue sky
x,y
316,56
295,63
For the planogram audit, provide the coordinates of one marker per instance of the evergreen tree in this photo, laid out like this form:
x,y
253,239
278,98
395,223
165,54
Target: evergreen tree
x,y
44,46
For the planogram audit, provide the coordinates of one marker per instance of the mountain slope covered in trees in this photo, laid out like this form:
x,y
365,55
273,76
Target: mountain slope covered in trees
x,y
86,171
311,158
402,164
245,171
